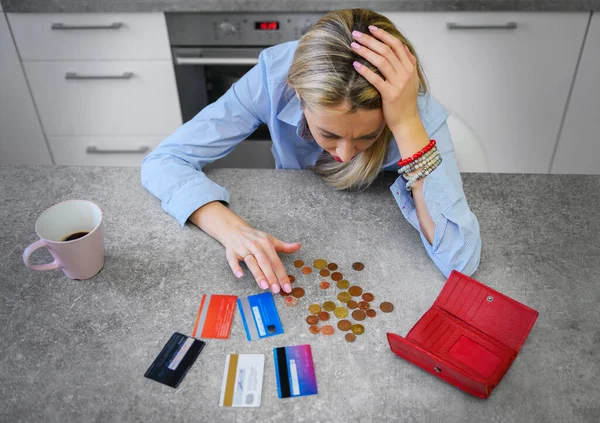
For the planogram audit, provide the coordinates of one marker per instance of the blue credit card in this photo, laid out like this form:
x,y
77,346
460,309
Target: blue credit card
x,y
260,316
295,371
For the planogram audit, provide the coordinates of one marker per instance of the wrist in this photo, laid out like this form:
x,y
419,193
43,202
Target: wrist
x,y
217,220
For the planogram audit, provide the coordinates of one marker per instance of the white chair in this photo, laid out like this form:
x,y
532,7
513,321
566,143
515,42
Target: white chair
x,y
468,149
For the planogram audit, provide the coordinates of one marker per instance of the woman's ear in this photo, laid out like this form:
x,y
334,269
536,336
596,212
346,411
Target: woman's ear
x,y
299,98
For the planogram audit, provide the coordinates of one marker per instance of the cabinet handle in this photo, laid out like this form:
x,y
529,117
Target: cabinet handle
x,y
95,150
235,61
508,25
75,75
114,25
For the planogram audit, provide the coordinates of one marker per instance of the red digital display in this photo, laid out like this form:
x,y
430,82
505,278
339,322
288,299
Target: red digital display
x,y
266,26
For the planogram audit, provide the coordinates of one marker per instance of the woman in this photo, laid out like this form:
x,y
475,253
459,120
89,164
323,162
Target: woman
x,y
348,100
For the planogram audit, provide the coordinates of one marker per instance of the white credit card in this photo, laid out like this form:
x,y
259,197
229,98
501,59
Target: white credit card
x,y
242,380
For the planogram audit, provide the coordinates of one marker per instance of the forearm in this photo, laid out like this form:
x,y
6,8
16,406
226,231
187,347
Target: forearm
x,y
217,220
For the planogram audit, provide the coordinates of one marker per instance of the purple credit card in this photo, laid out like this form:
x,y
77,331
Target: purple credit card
x,y
295,371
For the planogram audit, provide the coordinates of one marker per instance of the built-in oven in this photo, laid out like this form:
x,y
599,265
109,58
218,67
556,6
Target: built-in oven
x,y
211,51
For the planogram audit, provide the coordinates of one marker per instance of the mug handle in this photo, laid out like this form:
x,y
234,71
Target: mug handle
x,y
29,251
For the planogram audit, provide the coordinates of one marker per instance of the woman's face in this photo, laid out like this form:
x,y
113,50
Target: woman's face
x,y
343,134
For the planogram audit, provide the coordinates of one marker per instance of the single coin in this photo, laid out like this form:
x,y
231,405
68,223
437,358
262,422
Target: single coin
x,y
358,329
306,270
298,292
320,264
336,276
386,307
314,308
359,315
323,316
324,285
324,273
329,305
298,263
371,313
350,337
314,329
327,330
358,266
344,325
352,304
290,301
283,293
343,284
292,278
363,305
312,320
367,296
344,297
332,266
340,312
355,290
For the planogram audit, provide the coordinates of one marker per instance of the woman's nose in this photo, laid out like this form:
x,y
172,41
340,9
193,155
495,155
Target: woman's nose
x,y
345,152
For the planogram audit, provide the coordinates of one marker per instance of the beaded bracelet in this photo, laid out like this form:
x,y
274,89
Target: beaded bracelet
x,y
417,155
427,166
419,163
423,173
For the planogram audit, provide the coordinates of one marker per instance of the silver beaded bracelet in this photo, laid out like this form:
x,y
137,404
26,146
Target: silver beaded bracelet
x,y
423,173
410,167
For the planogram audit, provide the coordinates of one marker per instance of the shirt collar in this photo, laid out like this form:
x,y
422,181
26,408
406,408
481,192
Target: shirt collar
x,y
292,114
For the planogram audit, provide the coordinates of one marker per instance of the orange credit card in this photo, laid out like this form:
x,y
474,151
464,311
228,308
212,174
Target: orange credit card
x,y
214,316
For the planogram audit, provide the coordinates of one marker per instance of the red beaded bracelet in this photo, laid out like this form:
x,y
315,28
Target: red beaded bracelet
x,y
415,156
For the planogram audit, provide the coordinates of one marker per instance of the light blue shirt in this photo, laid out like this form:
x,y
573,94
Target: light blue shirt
x,y
173,171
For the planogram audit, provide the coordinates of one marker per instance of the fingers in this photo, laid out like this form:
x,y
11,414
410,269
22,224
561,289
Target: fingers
x,y
376,80
285,247
256,271
234,264
279,269
395,45
268,265
379,54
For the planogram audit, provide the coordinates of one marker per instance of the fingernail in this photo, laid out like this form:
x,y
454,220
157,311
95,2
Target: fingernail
x,y
356,65
264,284
275,288
356,33
354,45
239,274
287,287
373,28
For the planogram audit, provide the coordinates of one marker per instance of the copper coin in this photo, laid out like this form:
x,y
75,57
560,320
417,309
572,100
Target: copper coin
x,y
358,266
355,291
324,273
344,297
336,276
329,305
283,293
340,312
306,270
314,308
386,307
363,305
367,296
320,263
350,337
358,329
352,304
312,320
298,264
332,266
298,292
371,313
323,316
314,329
359,315
290,301
292,278
344,325
324,285
343,284
327,330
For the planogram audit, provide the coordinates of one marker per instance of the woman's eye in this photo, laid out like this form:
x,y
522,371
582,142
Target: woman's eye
x,y
329,137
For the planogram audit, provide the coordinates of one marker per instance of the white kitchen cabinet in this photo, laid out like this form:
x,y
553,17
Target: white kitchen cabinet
x,y
509,83
21,138
578,149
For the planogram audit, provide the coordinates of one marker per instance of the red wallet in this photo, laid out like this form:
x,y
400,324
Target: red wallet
x,y
469,337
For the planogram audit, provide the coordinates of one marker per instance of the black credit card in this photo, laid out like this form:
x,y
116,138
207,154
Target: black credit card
x,y
175,359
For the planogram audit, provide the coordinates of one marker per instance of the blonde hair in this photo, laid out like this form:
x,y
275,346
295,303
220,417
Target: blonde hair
x,y
323,75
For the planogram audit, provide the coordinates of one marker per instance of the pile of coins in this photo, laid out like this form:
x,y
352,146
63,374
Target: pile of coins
x,y
351,298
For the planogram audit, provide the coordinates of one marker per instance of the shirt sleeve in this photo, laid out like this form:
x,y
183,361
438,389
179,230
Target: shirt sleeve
x,y
173,171
457,241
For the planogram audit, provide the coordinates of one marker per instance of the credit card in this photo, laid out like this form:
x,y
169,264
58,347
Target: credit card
x,y
260,316
242,380
175,359
295,371
214,316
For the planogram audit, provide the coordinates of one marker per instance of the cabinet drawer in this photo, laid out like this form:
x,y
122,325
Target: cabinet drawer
x,y
102,151
90,36
105,98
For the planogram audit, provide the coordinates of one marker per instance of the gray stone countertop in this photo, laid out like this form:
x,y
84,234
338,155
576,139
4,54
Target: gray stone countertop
x,y
78,350
53,6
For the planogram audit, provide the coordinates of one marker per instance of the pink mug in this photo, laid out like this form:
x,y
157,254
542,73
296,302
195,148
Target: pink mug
x,y
73,232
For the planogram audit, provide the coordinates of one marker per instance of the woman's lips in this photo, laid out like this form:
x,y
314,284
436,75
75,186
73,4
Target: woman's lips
x,y
337,159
